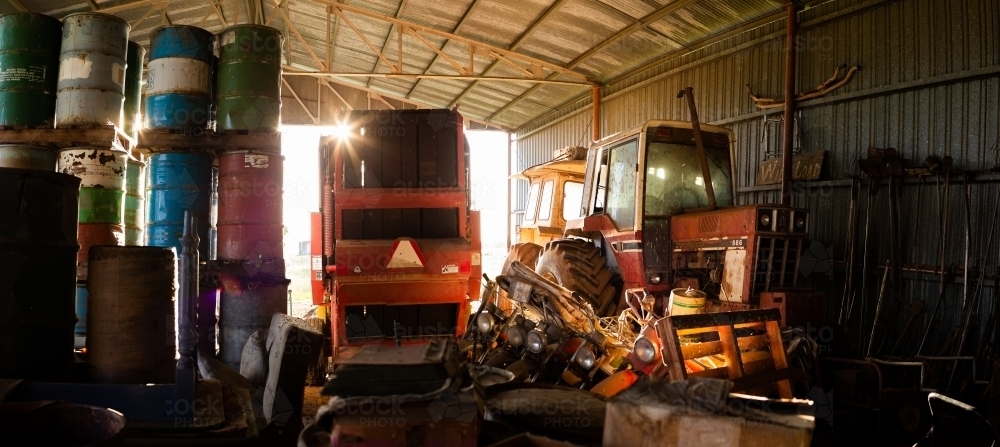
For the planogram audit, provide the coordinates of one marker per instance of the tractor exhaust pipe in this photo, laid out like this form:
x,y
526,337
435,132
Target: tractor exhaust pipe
x,y
699,144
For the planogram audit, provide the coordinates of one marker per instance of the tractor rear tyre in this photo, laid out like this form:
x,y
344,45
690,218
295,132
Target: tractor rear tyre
x,y
579,266
527,254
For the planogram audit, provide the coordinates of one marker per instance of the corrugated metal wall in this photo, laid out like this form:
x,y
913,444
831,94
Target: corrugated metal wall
x,y
929,83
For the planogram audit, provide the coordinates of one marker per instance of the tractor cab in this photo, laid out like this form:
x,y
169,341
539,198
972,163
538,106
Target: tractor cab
x,y
647,207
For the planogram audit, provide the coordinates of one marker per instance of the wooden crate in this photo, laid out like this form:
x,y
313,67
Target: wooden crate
x,y
752,360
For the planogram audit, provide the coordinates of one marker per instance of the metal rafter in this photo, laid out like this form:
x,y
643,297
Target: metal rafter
x,y
18,5
299,100
440,51
517,43
455,38
368,42
292,71
624,32
385,43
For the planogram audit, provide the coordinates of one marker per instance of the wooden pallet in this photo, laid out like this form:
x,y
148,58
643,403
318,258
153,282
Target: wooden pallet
x,y
102,136
751,359
207,140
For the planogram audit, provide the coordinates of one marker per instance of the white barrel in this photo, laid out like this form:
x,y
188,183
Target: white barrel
x,y
96,167
91,86
178,75
687,301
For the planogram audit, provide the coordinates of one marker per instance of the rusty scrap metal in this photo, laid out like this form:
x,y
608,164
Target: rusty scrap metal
x,y
823,89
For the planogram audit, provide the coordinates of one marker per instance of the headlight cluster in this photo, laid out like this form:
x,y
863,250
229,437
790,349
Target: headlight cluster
x,y
644,349
585,357
536,341
515,335
484,322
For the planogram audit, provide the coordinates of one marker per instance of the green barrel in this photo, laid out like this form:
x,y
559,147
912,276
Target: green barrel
x,y
135,202
29,68
249,79
102,189
133,88
101,205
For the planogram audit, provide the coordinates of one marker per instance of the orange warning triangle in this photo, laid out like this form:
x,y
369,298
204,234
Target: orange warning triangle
x,y
405,254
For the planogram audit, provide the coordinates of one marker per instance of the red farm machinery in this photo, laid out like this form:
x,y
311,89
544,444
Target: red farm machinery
x,y
395,248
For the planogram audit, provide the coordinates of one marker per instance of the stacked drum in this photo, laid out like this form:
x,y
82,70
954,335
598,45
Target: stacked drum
x,y
179,78
250,231
133,89
29,65
178,182
91,93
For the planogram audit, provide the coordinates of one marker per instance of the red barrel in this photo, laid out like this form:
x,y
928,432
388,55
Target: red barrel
x,y
92,235
250,206
249,241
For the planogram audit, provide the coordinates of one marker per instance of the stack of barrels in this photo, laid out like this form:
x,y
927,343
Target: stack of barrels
x,y
29,68
250,231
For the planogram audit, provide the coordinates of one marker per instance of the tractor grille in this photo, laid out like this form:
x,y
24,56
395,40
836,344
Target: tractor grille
x,y
777,264
417,320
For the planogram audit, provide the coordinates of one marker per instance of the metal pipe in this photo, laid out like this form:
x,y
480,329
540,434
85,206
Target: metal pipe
x,y
700,146
791,29
187,336
596,106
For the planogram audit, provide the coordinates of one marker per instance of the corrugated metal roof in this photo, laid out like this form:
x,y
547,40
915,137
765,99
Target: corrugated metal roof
x,y
570,29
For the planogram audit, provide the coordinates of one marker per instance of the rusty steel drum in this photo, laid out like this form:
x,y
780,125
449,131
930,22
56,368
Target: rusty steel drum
x,y
92,235
246,305
91,86
250,205
38,244
131,294
27,157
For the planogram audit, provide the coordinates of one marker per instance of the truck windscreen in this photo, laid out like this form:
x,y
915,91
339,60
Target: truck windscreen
x,y
674,181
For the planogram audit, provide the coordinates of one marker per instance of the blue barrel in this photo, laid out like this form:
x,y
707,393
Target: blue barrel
x,y
179,78
81,314
178,181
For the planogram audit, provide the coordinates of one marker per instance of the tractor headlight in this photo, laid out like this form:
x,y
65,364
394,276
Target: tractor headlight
x,y
765,220
644,349
515,335
585,358
484,322
800,223
536,341
655,278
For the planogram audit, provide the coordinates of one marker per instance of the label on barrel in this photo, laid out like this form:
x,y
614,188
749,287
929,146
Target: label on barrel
x,y
25,74
74,68
255,161
118,74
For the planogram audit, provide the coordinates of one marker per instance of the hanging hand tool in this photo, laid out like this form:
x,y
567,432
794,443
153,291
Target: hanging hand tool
x,y
943,203
917,308
878,307
850,252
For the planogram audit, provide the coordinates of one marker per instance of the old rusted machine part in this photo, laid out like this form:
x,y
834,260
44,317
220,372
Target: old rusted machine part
x,y
130,317
827,87
700,146
38,245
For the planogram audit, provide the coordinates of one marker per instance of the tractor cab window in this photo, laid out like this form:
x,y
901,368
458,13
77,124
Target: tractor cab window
x,y
529,211
674,181
572,198
622,170
545,207
602,183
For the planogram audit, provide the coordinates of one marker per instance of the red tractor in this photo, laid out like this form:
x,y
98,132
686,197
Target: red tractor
x,y
660,215
399,251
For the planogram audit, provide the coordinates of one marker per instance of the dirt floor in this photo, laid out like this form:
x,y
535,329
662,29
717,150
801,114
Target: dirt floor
x,y
311,402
